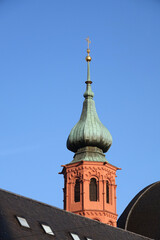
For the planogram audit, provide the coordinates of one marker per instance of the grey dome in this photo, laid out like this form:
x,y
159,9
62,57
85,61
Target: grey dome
x,y
142,215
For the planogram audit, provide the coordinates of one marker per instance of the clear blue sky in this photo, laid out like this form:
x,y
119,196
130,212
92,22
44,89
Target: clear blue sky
x,y
42,75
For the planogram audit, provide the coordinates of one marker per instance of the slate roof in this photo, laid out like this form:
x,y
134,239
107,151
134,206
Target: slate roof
x,y
142,215
60,221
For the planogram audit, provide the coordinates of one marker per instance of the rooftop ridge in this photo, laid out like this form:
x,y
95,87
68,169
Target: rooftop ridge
x,y
28,198
82,225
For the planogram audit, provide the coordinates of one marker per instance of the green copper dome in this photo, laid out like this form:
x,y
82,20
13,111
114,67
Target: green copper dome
x,y
89,132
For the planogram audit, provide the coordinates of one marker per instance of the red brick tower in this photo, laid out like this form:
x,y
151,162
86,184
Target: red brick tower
x,y
90,188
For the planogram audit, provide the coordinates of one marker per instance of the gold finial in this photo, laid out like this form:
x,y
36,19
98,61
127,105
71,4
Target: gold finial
x,y
88,58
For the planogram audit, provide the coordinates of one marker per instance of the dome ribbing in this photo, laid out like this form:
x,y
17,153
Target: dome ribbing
x,y
89,131
142,214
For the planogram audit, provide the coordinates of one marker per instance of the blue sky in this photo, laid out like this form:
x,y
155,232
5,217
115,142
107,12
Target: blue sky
x,y
42,75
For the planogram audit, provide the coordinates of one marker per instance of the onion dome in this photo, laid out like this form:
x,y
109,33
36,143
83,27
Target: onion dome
x,y
89,135
142,215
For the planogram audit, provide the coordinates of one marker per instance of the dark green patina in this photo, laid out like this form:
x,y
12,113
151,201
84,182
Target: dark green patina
x,y
89,139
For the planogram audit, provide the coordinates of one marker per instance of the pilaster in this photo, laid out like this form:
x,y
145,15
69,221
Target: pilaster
x,y
98,210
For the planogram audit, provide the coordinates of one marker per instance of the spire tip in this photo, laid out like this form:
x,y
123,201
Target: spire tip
x,y
88,58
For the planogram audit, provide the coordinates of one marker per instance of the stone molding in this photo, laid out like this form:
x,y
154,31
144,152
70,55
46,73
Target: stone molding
x,y
94,213
85,173
98,210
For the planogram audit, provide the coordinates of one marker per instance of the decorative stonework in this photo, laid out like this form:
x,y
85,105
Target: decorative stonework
x,y
99,210
110,219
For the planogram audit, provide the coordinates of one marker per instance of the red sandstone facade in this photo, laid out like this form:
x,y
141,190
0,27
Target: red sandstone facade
x,y
101,207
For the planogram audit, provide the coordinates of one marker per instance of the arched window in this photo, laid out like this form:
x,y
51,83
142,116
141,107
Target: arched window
x,y
107,192
110,223
93,189
77,191
96,219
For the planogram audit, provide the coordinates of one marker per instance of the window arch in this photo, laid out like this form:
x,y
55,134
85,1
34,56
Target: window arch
x,y
93,189
110,223
77,191
96,219
107,192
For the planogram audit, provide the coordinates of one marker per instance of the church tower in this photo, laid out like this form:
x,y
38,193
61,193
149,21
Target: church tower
x,y
89,180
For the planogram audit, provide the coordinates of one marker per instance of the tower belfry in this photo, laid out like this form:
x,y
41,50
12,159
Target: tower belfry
x,y
89,180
